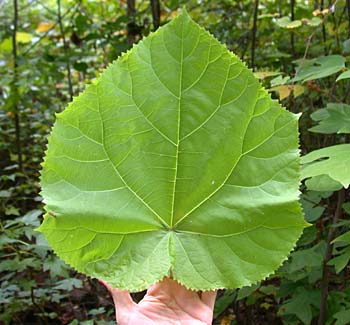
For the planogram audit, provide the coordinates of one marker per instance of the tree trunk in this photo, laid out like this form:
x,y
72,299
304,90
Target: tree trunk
x,y
130,13
292,46
255,20
155,6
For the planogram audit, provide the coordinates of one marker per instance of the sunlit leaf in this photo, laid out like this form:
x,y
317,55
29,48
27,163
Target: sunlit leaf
x,y
266,74
333,161
344,75
320,67
344,238
283,91
6,45
280,80
322,183
175,161
286,22
313,22
268,15
23,37
298,90
44,27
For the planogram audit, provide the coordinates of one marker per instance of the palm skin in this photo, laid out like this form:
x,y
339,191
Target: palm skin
x,y
166,302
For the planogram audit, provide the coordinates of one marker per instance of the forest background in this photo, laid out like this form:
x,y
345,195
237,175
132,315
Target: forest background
x,y
49,51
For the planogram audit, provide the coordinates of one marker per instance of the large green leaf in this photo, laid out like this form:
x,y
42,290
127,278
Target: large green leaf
x,y
335,118
174,162
333,161
320,67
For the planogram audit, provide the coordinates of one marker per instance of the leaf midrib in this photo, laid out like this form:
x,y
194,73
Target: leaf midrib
x,y
178,129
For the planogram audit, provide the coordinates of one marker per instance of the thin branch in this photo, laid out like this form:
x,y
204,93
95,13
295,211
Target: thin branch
x,y
65,47
348,10
324,36
255,19
292,4
325,276
336,31
15,88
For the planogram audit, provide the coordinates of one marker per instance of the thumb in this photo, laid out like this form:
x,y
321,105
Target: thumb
x,y
122,301
208,297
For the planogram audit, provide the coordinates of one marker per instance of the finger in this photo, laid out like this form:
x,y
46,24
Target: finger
x,y
121,298
208,297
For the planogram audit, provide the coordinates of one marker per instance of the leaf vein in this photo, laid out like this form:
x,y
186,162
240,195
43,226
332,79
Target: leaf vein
x,y
119,174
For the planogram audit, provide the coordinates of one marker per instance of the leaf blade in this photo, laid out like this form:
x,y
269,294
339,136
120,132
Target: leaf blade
x,y
152,147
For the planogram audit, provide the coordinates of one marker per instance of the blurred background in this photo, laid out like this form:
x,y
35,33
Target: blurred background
x,y
49,51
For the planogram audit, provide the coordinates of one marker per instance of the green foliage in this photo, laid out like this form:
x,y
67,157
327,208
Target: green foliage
x,y
335,118
302,304
96,33
320,67
141,190
342,252
333,161
32,277
286,22
342,317
322,183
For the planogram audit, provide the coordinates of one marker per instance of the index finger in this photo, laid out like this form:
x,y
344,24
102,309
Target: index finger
x,y
122,301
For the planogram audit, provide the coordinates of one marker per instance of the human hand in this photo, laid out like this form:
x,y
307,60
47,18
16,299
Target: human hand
x,y
166,302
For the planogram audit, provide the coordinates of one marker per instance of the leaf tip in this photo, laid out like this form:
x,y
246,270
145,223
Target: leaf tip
x,y
184,11
298,115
